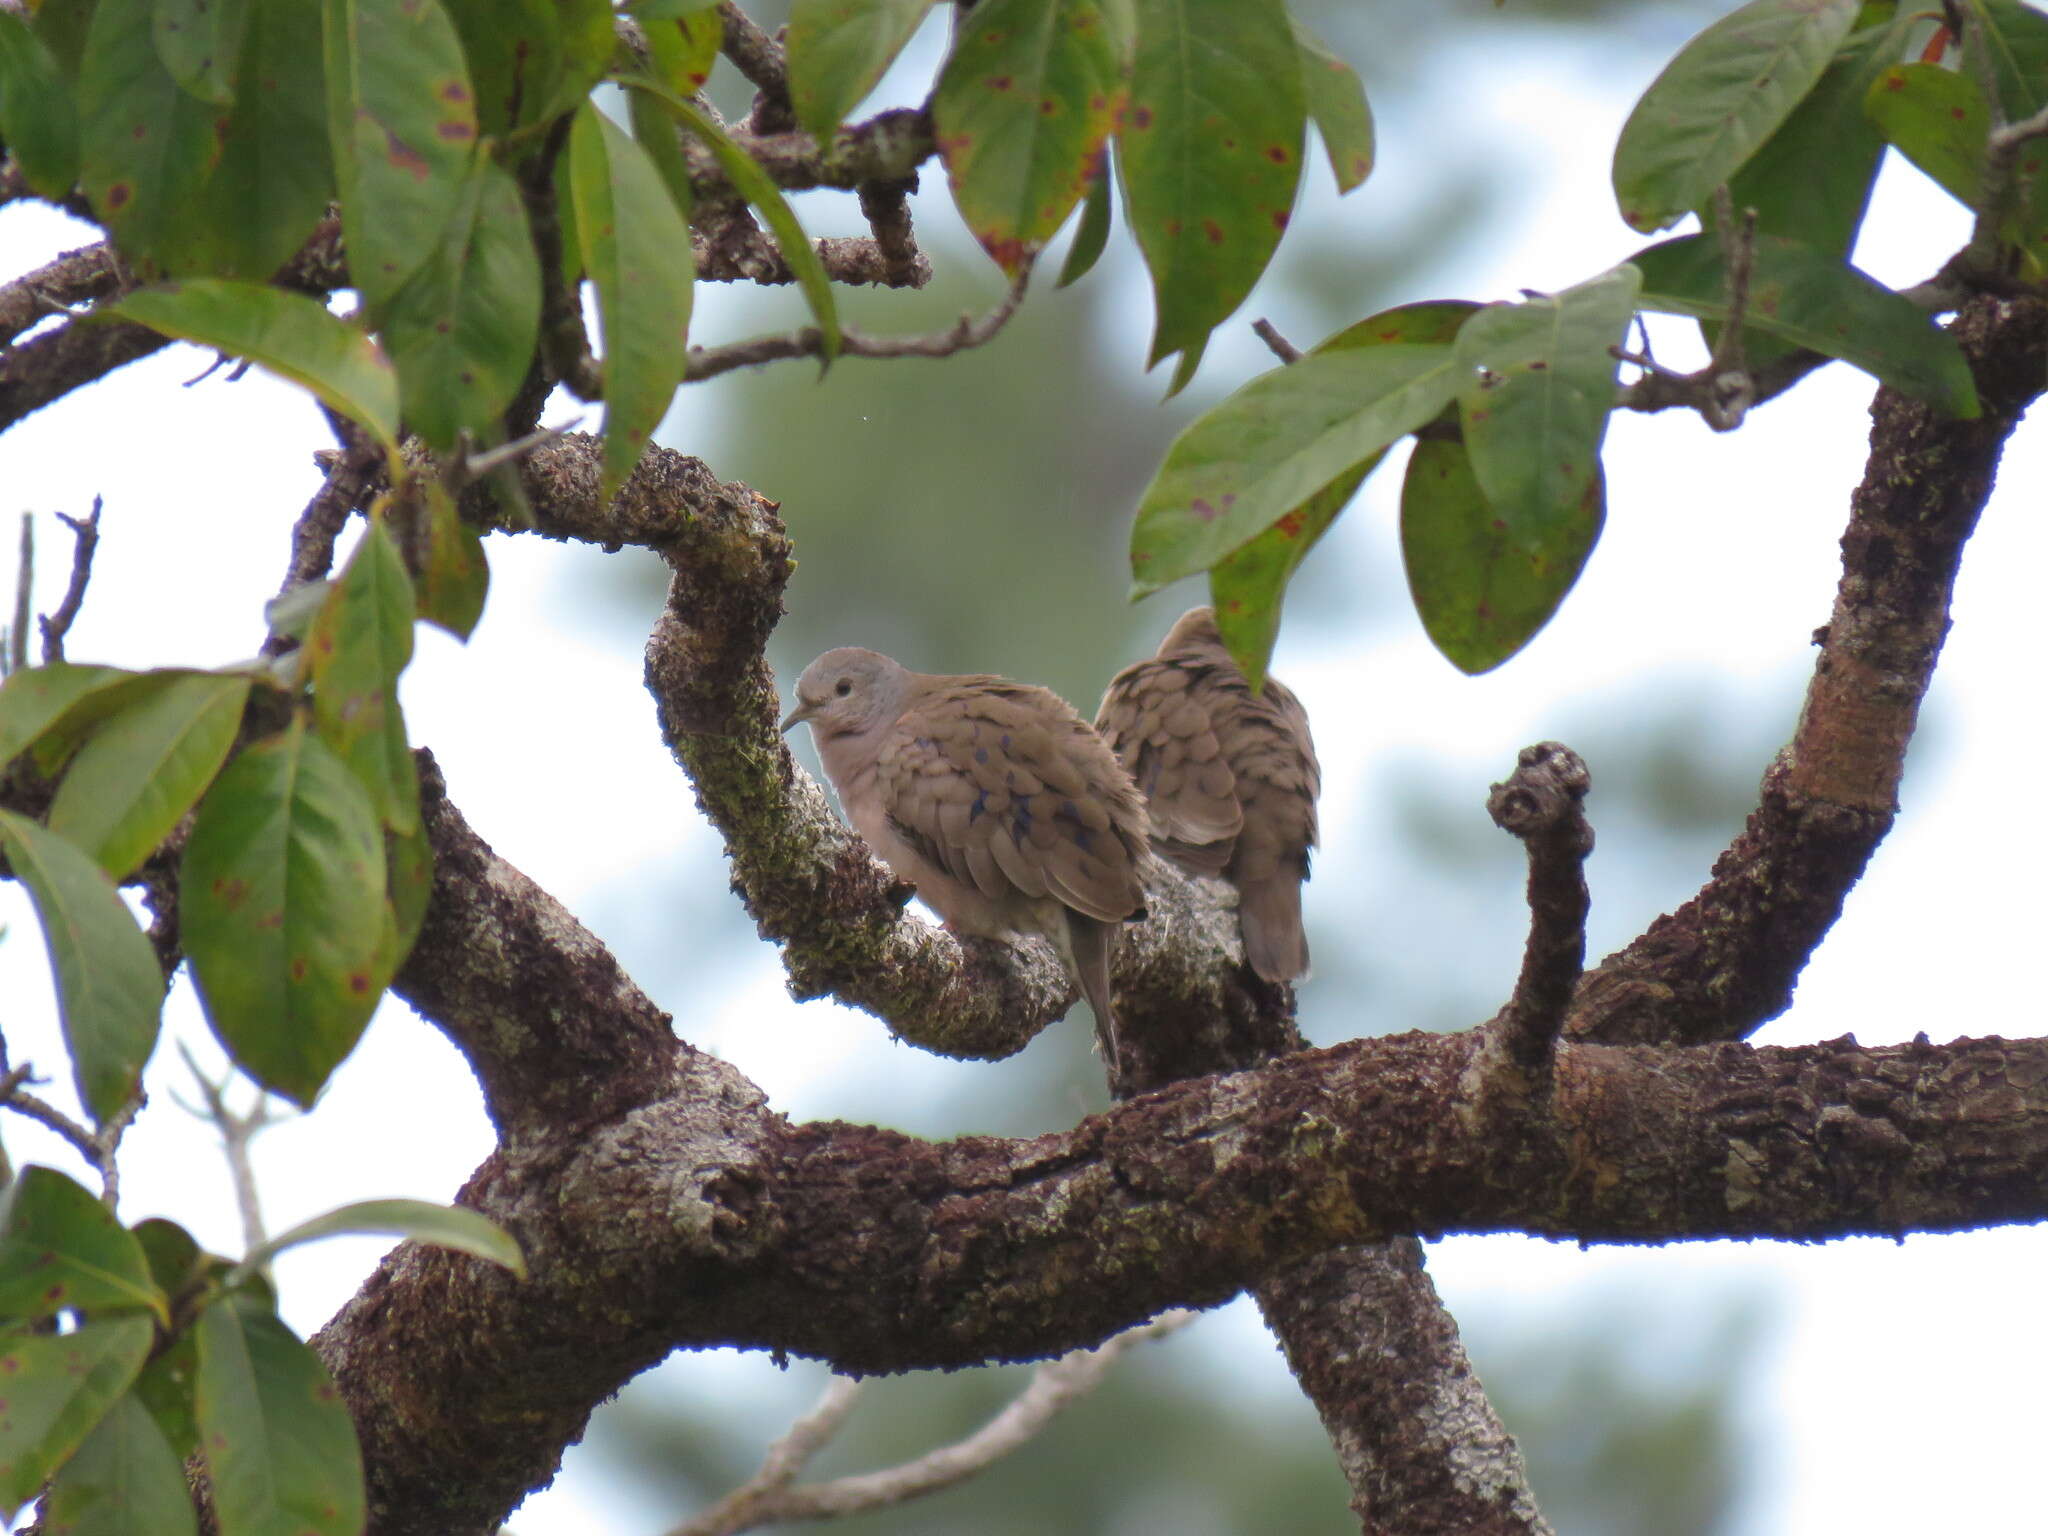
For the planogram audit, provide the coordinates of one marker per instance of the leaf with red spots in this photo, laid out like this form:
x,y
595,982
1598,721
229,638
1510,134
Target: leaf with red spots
x,y
295,337
1937,119
1485,581
1092,234
110,990
1282,438
1814,301
1022,114
359,643
1537,384
200,42
38,119
280,1449
402,121
1336,101
462,330
839,49
683,40
282,897
61,1248
630,231
59,699
124,1480
58,1386
1717,102
141,771
446,1226
1210,153
456,577
531,60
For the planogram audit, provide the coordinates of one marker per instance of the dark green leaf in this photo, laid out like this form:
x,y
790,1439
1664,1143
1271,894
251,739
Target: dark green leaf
x,y
61,1248
200,42
655,132
839,49
62,26
38,120
531,60
1021,115
110,990
284,911
462,329
1336,101
356,649
124,1480
1937,119
683,45
166,1383
280,1448
2014,39
1210,154
172,1254
58,1387
402,121
290,334
456,578
1483,583
1244,465
139,773
446,1226
1716,103
1093,232
1806,298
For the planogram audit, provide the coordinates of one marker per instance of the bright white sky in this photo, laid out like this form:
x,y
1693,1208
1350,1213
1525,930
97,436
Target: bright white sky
x,y
1718,561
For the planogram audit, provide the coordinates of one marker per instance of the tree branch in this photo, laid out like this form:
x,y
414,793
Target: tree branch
x,y
85,534
1543,804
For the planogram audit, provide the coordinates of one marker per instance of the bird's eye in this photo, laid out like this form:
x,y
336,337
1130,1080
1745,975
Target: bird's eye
x,y
843,687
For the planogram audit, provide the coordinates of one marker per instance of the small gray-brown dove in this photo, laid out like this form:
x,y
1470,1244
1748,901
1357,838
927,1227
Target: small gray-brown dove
x,y
1230,778
995,799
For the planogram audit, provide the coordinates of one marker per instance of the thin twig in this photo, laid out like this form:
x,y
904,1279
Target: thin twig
x,y
755,54
76,277
1731,389
236,1133
1543,805
100,1148
768,1497
709,362
350,474
1995,186
1281,347
85,534
24,599
565,344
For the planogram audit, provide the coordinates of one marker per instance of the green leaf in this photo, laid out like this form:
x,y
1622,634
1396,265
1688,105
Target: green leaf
x,y
630,232
166,1383
1538,389
683,45
124,1480
1429,322
2014,39
1210,154
359,644
655,132
409,863
1806,298
174,1257
289,334
292,613
1723,95
61,26
1937,119
280,1448
1336,102
1484,583
58,1387
38,120
1241,467
283,907
61,1248
456,577
1092,235
531,60
446,1226
138,775
402,121
462,330
839,49
34,700
1021,114
200,43
110,990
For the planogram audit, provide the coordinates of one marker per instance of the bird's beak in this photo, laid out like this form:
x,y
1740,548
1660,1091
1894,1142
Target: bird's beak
x,y
801,712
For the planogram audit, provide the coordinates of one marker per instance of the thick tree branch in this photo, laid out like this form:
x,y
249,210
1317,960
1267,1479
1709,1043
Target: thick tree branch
x,y
77,277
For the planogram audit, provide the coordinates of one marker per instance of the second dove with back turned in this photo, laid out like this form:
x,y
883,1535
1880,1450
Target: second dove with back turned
x,y
995,799
1230,779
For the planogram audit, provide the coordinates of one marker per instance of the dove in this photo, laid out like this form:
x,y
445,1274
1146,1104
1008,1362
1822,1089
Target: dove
x,y
1230,779
995,799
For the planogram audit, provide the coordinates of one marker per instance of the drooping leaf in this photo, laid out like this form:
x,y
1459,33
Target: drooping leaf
x,y
38,118
531,60
141,771
655,132
61,1248
58,1387
171,1252
165,1387
360,642
1937,119
839,49
630,231
446,1226
402,121
683,44
289,334
280,1448
1806,298
1092,234
456,578
1336,103
124,1480
462,330
61,26
110,990
1210,154
1241,467
1484,583
1021,114
1535,399
284,912
200,43
1717,102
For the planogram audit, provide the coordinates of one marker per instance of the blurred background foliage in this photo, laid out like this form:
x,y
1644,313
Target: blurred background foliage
x,y
970,515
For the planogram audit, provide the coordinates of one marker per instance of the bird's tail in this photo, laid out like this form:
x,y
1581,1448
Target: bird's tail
x,y
1270,913
1088,941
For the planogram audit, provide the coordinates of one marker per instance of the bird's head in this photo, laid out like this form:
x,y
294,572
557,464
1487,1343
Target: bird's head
x,y
849,691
